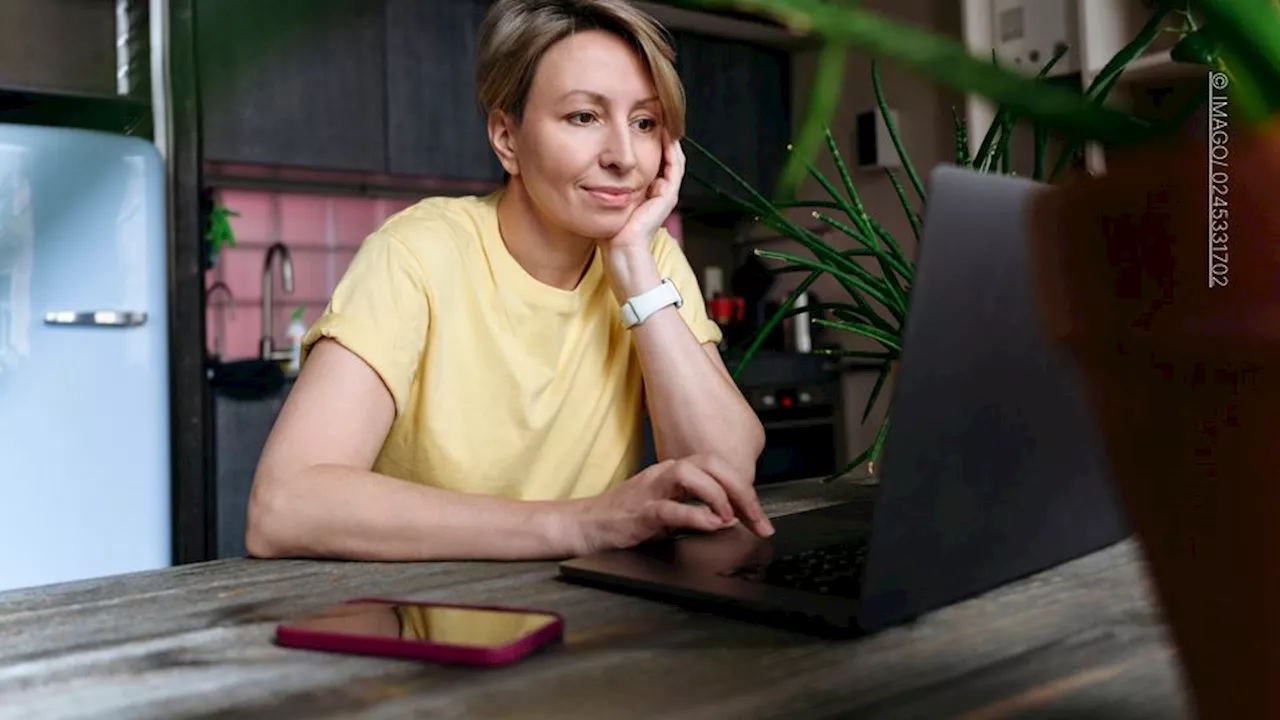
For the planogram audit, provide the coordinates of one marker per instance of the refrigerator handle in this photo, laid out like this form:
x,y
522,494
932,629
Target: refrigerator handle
x,y
96,318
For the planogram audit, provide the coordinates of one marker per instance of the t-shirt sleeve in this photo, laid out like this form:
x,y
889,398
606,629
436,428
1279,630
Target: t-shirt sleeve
x,y
380,311
672,263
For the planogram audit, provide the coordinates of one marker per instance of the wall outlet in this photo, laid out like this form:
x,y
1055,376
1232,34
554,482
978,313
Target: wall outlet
x,y
1028,33
873,145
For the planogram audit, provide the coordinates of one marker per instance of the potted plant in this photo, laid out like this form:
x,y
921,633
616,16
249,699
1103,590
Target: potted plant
x,y
876,274
1161,278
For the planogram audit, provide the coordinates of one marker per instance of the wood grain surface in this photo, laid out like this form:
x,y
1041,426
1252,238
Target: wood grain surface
x,y
1081,640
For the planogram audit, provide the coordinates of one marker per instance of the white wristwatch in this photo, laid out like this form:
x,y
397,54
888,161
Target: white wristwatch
x,y
637,309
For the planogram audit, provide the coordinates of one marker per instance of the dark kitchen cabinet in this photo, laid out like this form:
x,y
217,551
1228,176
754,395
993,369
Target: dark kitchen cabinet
x,y
738,98
435,125
388,86
293,82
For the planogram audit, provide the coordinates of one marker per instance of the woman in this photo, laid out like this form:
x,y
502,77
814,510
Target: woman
x,y
473,390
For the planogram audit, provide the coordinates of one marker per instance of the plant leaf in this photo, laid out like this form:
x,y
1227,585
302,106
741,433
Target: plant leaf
x,y
856,252
768,213
761,202
776,220
912,216
817,307
824,97
869,331
995,145
986,147
870,454
1131,51
884,234
1248,35
806,204
893,130
1198,47
854,209
844,270
889,265
820,248
772,322
1041,142
724,194
1100,88
875,391
867,354
863,280
886,259
962,139
1006,137
844,281
865,237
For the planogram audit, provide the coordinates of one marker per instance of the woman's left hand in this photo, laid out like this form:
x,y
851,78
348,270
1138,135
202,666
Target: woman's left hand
x,y
664,192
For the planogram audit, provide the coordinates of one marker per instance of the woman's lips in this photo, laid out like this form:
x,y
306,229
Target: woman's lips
x,y
611,197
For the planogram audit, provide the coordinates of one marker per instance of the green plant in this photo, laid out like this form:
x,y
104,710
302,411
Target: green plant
x,y
876,274
220,234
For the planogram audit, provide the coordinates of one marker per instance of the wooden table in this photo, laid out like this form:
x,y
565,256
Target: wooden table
x,y
1081,640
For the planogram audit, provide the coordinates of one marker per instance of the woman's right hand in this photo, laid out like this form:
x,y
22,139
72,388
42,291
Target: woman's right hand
x,y
651,503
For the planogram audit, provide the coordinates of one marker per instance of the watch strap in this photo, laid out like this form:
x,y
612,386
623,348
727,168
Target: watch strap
x,y
638,308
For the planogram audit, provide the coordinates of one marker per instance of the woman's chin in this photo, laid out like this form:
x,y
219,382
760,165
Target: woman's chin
x,y
600,227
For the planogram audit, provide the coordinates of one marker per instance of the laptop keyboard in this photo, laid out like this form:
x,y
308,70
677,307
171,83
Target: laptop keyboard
x,y
829,570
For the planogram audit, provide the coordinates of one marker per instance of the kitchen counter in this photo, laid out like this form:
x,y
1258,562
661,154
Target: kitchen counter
x,y
1080,640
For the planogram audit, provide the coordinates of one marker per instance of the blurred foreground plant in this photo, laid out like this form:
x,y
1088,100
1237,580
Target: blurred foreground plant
x,y
877,273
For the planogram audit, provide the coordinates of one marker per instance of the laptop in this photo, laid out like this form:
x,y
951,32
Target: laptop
x,y
992,469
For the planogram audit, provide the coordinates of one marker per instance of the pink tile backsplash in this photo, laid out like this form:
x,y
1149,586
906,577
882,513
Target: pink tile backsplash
x,y
391,206
322,233
311,281
239,333
254,223
304,219
240,268
353,219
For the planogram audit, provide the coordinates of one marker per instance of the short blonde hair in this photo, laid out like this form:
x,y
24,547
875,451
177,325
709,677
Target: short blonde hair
x,y
516,33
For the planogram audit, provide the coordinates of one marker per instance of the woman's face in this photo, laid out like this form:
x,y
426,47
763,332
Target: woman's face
x,y
590,142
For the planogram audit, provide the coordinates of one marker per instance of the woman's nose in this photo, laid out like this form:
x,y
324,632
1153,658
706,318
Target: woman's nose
x,y
619,151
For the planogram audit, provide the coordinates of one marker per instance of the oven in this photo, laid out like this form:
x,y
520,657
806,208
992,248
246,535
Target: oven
x,y
803,430
798,398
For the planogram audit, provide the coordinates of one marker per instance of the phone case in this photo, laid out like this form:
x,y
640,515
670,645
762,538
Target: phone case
x,y
553,633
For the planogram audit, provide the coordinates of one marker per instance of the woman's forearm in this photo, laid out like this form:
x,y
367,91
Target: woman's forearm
x,y
694,406
339,512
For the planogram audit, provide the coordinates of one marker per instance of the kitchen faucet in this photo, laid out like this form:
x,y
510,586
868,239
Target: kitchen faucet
x,y
220,327
268,351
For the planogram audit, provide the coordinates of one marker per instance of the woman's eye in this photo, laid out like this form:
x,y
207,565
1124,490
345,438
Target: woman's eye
x,y
647,124
581,118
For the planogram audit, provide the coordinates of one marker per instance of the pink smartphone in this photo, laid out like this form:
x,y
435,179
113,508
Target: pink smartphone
x,y
458,634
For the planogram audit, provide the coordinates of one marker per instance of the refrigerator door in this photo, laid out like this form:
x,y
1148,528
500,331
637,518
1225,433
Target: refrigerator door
x,y
84,386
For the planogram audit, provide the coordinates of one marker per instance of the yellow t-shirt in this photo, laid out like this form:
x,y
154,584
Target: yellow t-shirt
x,y
503,385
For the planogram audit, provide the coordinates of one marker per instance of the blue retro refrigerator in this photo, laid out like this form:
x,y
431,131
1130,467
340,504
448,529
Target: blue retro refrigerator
x,y
84,387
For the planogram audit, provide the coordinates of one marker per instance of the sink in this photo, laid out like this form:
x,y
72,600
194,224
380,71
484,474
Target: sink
x,y
251,379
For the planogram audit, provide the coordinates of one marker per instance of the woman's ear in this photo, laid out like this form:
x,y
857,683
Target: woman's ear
x,y
502,138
